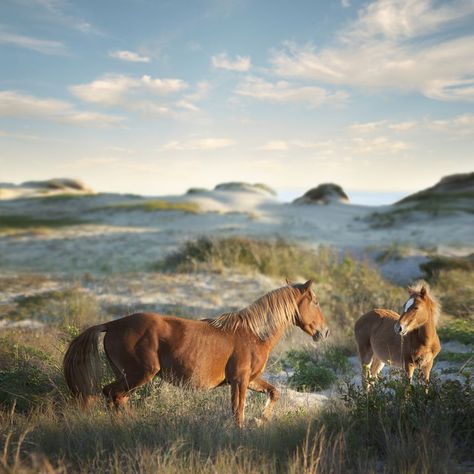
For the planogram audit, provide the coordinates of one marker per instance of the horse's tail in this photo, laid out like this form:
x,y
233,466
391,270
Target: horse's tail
x,y
82,368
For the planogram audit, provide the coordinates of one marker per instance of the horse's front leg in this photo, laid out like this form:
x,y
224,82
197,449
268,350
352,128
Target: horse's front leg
x,y
238,390
409,369
260,385
426,369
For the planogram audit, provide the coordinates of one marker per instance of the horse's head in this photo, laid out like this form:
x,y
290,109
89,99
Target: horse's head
x,y
415,311
310,318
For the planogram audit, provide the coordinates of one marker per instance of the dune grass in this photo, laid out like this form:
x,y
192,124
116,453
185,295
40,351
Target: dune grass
x,y
434,206
346,288
156,205
72,305
395,428
24,222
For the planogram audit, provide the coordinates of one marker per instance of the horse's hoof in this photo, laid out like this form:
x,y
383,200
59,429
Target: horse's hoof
x,y
259,421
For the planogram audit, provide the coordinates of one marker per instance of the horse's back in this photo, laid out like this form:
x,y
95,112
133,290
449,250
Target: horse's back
x,y
373,320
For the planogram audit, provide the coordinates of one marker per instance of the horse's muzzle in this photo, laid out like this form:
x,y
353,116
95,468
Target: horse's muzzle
x,y
324,334
397,327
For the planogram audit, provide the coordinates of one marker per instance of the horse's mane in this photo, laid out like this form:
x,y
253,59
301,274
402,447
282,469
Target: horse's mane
x,y
263,317
433,303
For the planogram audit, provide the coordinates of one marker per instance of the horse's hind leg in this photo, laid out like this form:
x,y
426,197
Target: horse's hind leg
x,y
375,367
117,393
132,370
366,356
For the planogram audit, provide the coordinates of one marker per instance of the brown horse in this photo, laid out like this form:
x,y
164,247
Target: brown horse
x,y
407,341
230,349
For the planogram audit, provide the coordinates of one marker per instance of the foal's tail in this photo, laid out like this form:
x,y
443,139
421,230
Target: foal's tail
x,y
82,364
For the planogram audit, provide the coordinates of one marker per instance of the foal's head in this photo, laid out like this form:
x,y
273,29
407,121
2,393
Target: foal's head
x,y
416,312
310,318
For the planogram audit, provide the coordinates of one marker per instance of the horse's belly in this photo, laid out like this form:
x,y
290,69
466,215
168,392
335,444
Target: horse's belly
x,y
196,373
388,349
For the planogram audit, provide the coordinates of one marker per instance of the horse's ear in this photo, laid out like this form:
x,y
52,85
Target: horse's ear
x,y
423,291
288,282
411,290
307,286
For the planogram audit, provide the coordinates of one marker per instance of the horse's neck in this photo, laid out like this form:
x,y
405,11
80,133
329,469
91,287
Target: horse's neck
x,y
272,341
427,331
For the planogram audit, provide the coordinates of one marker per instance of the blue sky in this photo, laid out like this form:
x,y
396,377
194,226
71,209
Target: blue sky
x,y
154,97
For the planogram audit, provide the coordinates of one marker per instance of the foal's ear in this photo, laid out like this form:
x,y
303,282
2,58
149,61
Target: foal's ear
x,y
423,291
411,290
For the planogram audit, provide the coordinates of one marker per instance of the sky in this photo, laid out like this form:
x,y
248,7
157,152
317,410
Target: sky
x,y
154,97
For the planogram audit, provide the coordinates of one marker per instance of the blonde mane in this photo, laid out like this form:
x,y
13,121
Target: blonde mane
x,y
273,311
433,303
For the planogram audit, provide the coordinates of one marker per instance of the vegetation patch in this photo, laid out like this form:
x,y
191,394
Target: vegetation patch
x,y
71,306
15,222
394,417
434,207
436,265
314,370
460,330
157,205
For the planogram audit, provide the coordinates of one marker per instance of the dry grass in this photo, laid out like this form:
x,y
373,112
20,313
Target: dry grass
x,y
156,205
176,429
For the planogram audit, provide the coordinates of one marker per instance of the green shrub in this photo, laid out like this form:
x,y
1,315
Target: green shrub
x,y
455,290
316,370
395,415
458,330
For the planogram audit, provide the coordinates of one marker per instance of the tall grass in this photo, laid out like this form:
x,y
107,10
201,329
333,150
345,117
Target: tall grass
x,y
394,428
156,205
347,288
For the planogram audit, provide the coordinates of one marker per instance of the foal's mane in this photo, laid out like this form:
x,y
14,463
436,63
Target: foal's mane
x,y
263,317
434,306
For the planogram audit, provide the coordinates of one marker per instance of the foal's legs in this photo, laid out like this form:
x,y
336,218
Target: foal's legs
x,y
366,355
375,367
409,369
260,385
427,370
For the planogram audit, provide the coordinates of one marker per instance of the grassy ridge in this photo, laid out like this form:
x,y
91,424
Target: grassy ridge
x,y
156,205
13,221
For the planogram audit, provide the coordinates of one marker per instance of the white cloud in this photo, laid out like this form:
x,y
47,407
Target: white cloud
x,y
274,145
35,44
459,125
199,144
284,92
240,63
406,18
56,11
129,56
116,89
134,93
388,47
14,104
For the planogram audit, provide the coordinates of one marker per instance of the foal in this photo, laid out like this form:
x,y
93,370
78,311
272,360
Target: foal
x,y
408,341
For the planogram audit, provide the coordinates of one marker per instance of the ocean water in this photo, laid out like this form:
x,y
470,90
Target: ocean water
x,y
367,198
